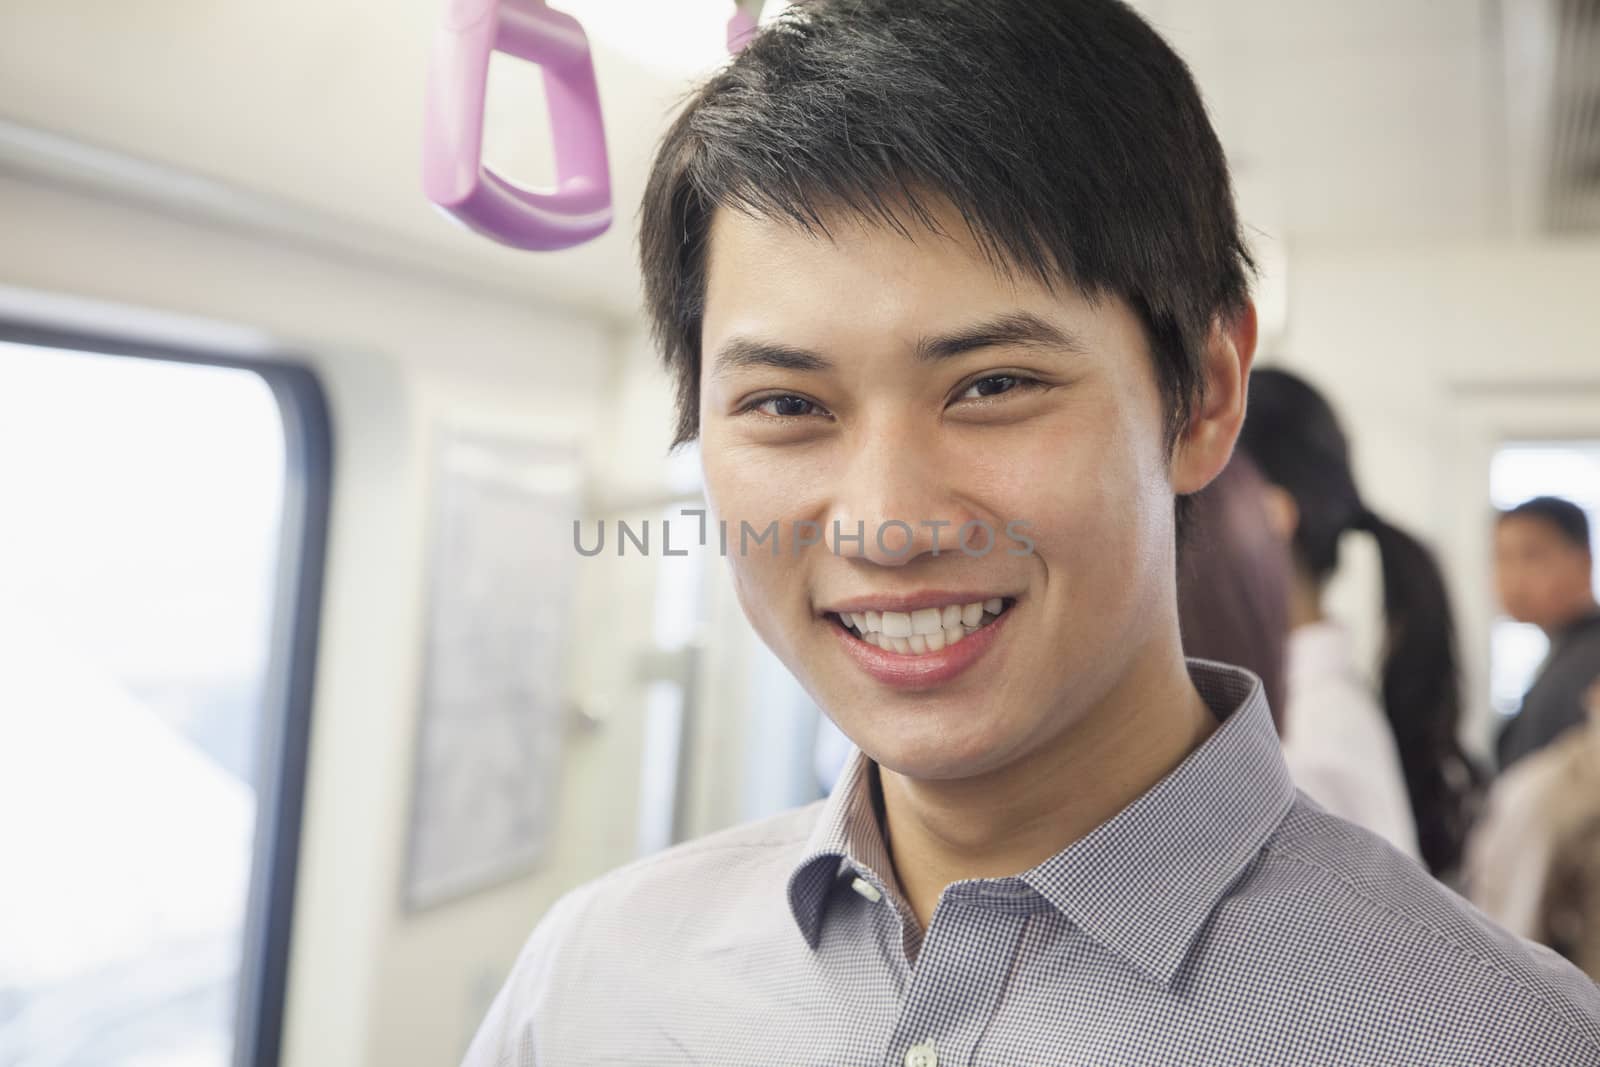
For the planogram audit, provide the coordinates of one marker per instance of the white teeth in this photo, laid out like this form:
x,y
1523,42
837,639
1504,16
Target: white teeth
x,y
924,630
896,624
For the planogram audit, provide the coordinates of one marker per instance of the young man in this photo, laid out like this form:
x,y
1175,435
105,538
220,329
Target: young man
x,y
934,274
1545,574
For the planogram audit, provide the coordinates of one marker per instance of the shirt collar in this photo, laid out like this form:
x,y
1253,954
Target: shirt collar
x,y
845,836
1143,883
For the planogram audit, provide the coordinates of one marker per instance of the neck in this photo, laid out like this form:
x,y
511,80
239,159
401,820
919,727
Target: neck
x,y
1011,819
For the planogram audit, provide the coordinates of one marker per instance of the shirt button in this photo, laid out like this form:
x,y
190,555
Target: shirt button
x,y
921,1056
868,890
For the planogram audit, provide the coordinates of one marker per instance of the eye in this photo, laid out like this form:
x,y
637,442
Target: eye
x,y
995,385
786,406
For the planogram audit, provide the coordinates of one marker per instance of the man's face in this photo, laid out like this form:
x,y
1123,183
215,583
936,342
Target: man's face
x,y
921,386
1543,578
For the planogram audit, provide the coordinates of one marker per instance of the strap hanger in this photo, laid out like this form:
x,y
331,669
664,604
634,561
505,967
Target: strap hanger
x,y
454,175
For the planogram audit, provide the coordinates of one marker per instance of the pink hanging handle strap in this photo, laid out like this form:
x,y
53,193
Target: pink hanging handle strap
x,y
742,24
453,173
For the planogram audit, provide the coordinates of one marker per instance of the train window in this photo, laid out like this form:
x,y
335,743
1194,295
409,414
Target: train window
x,y
1521,470
159,551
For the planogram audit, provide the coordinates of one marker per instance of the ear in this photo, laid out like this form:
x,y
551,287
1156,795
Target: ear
x,y
1283,514
1205,444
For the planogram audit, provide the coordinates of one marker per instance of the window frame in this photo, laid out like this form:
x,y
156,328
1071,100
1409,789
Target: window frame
x,y
289,683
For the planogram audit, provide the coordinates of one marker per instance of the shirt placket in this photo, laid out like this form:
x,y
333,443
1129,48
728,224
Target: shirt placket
x,y
959,972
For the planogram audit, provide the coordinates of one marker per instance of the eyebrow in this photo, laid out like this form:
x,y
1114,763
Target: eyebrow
x,y
1016,328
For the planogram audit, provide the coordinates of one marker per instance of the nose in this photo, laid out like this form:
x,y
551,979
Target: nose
x,y
897,500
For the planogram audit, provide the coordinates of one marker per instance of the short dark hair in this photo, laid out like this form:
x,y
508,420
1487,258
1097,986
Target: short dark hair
x,y
1068,135
1567,518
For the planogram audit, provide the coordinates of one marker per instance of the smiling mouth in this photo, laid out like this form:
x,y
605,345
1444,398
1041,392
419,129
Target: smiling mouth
x,y
927,630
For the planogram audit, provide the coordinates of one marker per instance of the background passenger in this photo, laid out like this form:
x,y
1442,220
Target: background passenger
x,y
1545,573
1534,862
1233,580
1409,780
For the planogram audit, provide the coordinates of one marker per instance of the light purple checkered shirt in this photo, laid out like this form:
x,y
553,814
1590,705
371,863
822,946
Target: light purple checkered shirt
x,y
1219,919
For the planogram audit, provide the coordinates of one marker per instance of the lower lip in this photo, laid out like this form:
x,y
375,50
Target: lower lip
x,y
928,670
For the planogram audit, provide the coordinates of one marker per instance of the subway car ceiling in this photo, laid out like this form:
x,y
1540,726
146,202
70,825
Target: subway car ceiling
x,y
1304,96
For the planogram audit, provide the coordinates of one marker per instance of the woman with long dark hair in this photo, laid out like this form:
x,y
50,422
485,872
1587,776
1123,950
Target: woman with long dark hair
x,y
1331,738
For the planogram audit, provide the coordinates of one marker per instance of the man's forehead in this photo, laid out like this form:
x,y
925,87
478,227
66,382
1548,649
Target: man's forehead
x,y
854,276
930,223
1530,528
872,268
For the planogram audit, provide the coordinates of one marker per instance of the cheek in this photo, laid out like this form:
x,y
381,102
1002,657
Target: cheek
x,y
749,489
1575,574
1097,496
1551,584
748,483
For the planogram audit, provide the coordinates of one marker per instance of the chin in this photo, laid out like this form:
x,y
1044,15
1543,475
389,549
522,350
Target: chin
x,y
931,750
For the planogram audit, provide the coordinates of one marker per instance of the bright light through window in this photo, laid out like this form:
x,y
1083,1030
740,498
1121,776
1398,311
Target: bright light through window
x,y
1520,470
141,510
